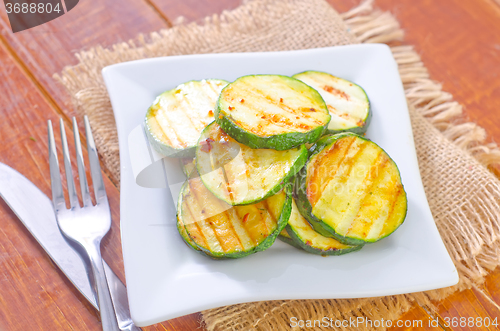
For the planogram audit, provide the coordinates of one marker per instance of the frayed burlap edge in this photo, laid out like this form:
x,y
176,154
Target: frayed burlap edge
x,y
469,227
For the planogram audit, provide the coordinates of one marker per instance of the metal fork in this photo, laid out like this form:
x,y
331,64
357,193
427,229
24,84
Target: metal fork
x,y
85,225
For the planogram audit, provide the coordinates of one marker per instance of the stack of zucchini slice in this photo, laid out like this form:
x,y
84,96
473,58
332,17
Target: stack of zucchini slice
x,y
252,178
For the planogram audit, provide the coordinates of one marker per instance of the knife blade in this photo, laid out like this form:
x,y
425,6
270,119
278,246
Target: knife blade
x,y
39,218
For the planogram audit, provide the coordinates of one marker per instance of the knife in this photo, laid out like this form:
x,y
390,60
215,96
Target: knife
x,y
35,211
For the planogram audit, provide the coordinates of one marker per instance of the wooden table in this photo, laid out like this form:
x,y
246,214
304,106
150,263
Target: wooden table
x,y
459,41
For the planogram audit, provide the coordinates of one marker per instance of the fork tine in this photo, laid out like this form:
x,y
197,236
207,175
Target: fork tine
x,y
81,166
73,198
55,176
95,168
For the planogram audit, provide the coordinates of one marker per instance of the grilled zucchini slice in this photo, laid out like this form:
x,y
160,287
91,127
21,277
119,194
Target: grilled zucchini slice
x,y
252,175
347,102
235,232
302,235
271,111
351,190
175,120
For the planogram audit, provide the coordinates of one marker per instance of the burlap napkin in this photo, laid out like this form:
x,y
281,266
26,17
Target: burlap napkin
x,y
462,193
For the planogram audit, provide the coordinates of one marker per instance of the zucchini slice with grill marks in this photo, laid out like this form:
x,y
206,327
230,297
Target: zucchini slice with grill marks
x,y
249,176
347,102
175,120
351,190
302,235
235,232
271,111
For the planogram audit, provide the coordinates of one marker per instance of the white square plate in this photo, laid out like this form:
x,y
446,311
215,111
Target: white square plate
x,y
166,279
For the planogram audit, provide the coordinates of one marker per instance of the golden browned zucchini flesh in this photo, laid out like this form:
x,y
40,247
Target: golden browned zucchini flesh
x,y
223,231
302,234
238,174
347,102
271,111
351,190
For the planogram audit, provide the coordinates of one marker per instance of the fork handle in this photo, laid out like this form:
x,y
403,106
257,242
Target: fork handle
x,y
108,317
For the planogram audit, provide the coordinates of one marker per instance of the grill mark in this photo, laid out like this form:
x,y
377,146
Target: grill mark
x,y
251,234
354,159
391,202
261,95
233,216
382,165
346,116
164,135
211,87
247,170
288,109
180,105
268,210
212,100
336,92
254,239
314,198
208,223
262,219
199,228
225,220
321,84
233,230
391,211
273,221
180,141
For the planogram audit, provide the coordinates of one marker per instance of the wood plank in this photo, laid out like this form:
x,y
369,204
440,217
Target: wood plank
x,y
467,310
32,290
492,286
34,294
459,42
193,10
46,49
49,48
415,319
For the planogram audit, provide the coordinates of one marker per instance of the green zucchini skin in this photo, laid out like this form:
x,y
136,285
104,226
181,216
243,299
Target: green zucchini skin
x,y
298,242
278,142
265,244
305,208
214,189
307,77
197,92
286,238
